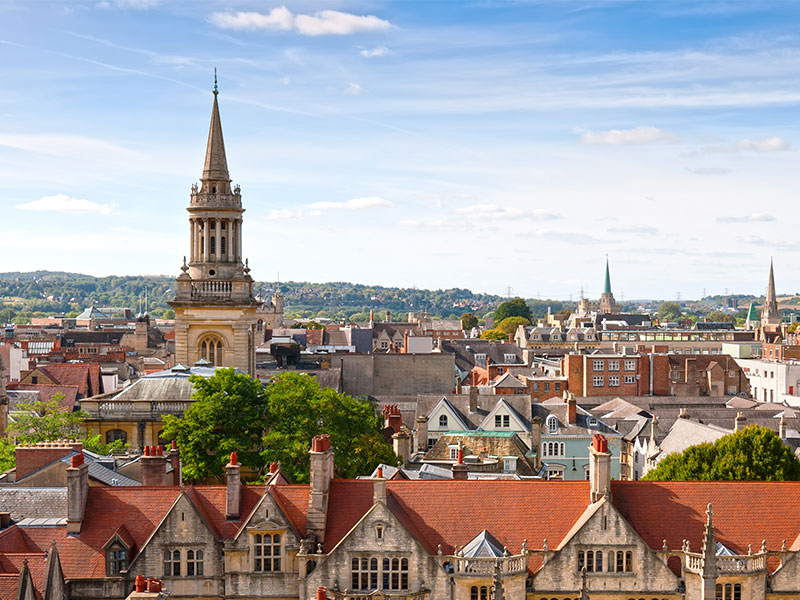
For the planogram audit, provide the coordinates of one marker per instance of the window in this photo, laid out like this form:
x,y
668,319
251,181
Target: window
x,y
112,435
480,357
443,421
194,563
630,379
509,464
535,386
365,573
592,422
597,381
630,365
613,380
551,449
620,561
557,386
172,563
453,452
210,348
502,421
379,532
116,559
510,358
555,472
546,386
222,244
597,365
552,424
267,552
479,593
213,244
628,561
613,365
729,591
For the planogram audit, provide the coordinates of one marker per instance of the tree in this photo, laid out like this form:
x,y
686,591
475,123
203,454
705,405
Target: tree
x,y
228,415
509,325
669,311
512,308
563,314
44,421
717,316
493,334
752,454
276,422
468,321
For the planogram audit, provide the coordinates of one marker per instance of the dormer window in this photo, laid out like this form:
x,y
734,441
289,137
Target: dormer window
x,y
552,424
443,421
116,559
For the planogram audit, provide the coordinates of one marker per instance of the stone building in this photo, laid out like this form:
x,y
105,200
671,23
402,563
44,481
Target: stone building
x,y
217,316
422,540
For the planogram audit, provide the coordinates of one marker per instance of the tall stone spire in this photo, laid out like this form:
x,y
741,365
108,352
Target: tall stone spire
x,y
770,315
607,284
216,165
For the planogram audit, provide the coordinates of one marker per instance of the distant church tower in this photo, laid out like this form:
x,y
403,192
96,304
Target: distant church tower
x,y
215,309
608,305
771,330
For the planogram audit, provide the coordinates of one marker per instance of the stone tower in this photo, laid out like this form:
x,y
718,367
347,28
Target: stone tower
x,y
771,330
215,308
607,303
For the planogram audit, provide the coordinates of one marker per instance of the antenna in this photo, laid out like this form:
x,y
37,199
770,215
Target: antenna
x,y
508,291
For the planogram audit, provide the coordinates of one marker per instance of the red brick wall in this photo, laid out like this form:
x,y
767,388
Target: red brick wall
x,y
32,458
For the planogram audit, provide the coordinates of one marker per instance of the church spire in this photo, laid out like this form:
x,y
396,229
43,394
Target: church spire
x,y
607,285
216,165
770,311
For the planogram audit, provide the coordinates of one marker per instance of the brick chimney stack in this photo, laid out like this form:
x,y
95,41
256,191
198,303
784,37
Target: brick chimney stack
x,y
233,493
392,416
321,475
572,409
401,444
77,493
599,468
35,456
536,440
154,466
473,399
460,470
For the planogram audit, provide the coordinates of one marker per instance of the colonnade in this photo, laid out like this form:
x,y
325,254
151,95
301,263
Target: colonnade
x,y
215,239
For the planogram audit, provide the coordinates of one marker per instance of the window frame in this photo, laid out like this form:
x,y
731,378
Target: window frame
x,y
259,545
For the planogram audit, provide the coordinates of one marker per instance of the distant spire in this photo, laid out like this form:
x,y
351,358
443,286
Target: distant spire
x,y
216,165
607,285
770,312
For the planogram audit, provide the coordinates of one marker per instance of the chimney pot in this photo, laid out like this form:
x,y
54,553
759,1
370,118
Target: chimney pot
x,y
322,593
174,444
140,584
273,467
234,458
379,474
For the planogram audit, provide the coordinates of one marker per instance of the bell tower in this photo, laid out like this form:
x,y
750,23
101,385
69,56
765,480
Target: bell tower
x,y
215,309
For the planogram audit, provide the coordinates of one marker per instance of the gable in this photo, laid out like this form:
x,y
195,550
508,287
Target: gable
x,y
454,420
502,408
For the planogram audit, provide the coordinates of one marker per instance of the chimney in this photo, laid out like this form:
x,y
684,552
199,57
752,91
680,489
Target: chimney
x,y
174,458
35,456
154,466
401,443
422,434
77,493
572,409
388,316
782,428
599,468
691,371
536,440
371,318
321,456
392,416
473,399
322,593
460,470
405,342
379,488
5,520
233,494
739,421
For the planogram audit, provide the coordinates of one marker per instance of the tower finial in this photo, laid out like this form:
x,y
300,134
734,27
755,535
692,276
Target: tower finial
x,y
216,91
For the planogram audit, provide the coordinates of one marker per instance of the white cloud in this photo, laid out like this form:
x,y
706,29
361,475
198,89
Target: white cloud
x,y
708,170
764,146
325,22
284,214
628,137
751,218
491,211
353,89
319,208
62,203
375,52
138,4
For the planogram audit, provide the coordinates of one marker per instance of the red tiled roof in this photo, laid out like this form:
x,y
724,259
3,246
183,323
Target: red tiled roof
x,y
37,564
293,500
12,540
452,513
744,512
48,391
210,501
86,376
349,500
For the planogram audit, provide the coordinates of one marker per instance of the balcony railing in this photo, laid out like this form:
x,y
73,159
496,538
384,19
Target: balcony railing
x,y
485,565
740,563
155,408
211,290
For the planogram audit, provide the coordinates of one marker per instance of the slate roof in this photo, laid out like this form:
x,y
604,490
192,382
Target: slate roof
x,y
496,443
580,428
465,350
26,393
521,404
39,503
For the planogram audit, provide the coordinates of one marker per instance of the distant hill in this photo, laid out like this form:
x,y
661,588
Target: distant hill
x,y
40,293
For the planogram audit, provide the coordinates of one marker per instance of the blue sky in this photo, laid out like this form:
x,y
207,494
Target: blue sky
x,y
434,143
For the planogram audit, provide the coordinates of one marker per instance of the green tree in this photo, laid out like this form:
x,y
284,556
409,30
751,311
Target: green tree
x,y
468,321
44,421
493,334
96,444
512,308
7,455
276,422
509,325
228,415
717,316
563,314
669,311
752,454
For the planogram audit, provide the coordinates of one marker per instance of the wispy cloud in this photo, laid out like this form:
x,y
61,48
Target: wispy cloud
x,y
317,209
136,4
375,52
324,22
628,137
61,203
708,170
751,218
763,146
635,229
353,89
490,211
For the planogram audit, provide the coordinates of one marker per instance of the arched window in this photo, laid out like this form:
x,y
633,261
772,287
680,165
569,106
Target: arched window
x,y
552,424
112,435
210,348
443,421
222,244
172,563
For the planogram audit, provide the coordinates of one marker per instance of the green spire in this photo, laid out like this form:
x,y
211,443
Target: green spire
x,y
607,285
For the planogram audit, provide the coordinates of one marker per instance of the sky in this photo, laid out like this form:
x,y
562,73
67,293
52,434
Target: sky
x,y
492,145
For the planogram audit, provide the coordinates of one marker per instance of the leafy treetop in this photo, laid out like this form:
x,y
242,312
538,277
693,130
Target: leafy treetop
x,y
512,308
509,324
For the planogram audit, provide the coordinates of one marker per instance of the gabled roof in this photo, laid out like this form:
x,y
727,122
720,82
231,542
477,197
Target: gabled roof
x,y
91,313
507,380
503,404
483,544
453,411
